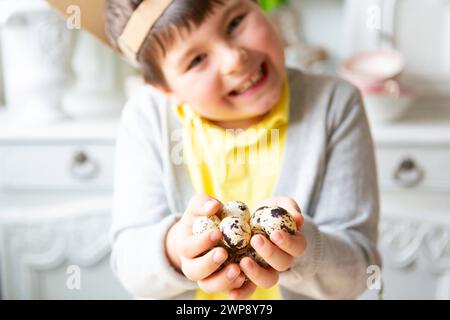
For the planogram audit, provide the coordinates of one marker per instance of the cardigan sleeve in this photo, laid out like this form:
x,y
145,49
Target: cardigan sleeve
x,y
141,215
342,228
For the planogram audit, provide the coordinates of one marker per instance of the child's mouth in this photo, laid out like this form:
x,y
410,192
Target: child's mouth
x,y
253,84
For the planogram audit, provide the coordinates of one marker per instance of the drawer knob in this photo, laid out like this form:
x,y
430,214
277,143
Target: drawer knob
x,y
408,174
83,167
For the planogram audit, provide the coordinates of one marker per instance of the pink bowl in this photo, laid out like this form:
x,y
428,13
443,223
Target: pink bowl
x,y
369,70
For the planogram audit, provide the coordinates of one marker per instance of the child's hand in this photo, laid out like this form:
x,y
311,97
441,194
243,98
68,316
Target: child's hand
x,y
186,251
279,253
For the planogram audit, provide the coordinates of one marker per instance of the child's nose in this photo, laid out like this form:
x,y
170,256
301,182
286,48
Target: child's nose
x,y
236,60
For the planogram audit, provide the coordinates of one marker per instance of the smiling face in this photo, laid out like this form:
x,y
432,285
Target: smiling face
x,y
230,69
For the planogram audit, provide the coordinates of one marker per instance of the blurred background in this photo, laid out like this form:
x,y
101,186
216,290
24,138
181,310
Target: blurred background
x,y
61,93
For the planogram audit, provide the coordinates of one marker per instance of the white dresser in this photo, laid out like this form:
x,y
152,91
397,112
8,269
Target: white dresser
x,y
55,211
55,206
413,158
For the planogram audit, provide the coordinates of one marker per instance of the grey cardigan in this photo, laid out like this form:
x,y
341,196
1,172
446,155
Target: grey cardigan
x,y
328,168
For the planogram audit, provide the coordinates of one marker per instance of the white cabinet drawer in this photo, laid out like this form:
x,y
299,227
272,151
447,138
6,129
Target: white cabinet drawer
x,y
424,168
55,167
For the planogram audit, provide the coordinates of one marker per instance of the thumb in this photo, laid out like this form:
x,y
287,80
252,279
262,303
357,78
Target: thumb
x,y
202,205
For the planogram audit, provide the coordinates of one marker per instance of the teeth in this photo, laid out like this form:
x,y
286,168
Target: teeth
x,y
250,83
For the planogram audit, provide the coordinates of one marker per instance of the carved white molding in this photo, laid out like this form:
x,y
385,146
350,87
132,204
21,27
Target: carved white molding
x,y
35,246
82,239
401,241
407,240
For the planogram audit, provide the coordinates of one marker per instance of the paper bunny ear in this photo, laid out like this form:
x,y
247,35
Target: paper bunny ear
x,y
91,15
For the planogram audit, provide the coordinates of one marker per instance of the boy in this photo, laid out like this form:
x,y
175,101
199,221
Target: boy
x,y
219,67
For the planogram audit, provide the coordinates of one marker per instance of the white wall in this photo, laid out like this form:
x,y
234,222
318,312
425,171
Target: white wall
x,y
322,23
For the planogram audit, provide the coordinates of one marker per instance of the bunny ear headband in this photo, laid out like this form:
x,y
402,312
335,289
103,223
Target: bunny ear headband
x,y
92,19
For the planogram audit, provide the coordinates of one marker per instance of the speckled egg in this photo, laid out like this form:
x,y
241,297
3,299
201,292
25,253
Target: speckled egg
x,y
205,223
236,232
255,221
249,251
236,256
236,209
277,218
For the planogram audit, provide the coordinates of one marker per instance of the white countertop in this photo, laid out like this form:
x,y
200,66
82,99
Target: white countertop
x,y
95,130
50,205
425,123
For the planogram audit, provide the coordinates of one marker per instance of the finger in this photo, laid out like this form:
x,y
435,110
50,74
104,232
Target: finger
x,y
220,281
275,257
266,202
202,205
299,219
284,202
192,246
294,245
202,267
291,204
244,292
238,282
262,277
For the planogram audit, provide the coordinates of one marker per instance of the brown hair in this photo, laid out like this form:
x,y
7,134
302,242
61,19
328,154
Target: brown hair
x,y
180,15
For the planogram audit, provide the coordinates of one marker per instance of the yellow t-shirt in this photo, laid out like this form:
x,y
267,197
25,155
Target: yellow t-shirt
x,y
230,165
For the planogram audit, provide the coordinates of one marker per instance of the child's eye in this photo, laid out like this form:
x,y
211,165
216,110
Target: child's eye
x,y
198,59
235,23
